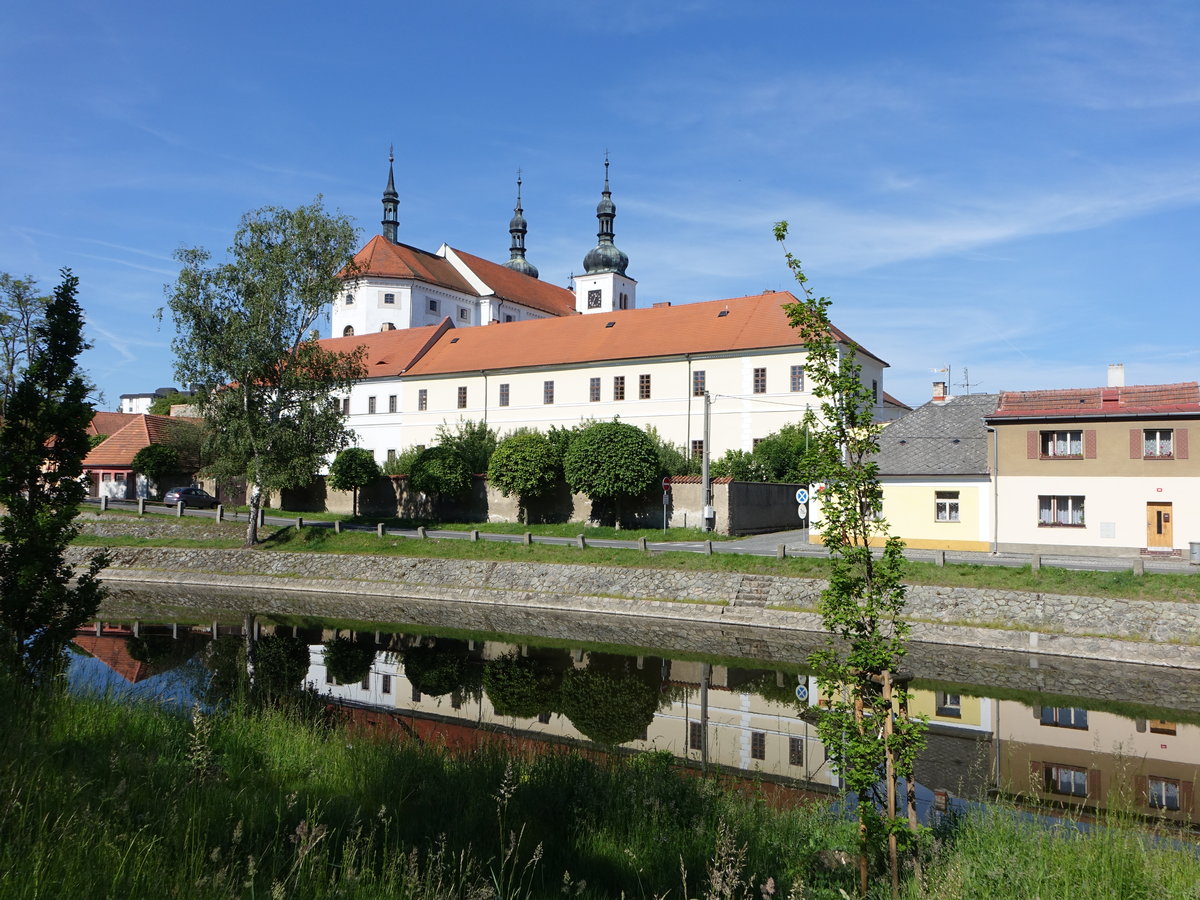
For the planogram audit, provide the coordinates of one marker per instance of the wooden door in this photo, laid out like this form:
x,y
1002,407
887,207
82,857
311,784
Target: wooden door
x,y
1158,526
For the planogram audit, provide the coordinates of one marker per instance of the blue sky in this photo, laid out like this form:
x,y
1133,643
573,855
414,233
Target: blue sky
x,y
1011,189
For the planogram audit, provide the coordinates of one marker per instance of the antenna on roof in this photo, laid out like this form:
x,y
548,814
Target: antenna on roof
x,y
966,384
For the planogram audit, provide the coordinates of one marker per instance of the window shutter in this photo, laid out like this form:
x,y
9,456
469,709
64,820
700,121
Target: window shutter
x,y
1089,444
1135,443
1031,444
1180,442
1093,777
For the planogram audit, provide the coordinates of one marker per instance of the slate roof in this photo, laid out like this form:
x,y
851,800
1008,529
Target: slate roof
x,y
119,449
939,438
1137,399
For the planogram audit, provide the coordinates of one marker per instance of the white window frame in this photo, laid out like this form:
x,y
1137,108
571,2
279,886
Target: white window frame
x,y
1158,443
1061,511
946,506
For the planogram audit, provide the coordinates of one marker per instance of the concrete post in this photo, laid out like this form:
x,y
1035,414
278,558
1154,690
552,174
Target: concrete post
x,y
175,631
137,628
337,526
299,522
262,517
781,551
939,557
421,533
642,544
220,512
379,529
103,504
527,538
214,630
1035,562
580,542
99,626
1139,566
474,534
179,510
141,506
708,548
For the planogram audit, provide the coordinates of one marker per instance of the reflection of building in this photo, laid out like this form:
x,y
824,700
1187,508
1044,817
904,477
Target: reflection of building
x,y
1098,760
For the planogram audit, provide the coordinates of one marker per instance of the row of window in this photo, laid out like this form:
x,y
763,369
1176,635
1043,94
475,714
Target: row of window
x,y
1144,443
1073,781
1053,510
758,744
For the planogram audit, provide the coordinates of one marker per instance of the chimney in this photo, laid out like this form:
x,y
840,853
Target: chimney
x,y
663,304
939,392
1116,375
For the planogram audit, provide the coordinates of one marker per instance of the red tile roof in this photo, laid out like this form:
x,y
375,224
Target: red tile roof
x,y
390,352
892,401
747,323
113,651
109,422
119,449
382,258
1132,400
518,288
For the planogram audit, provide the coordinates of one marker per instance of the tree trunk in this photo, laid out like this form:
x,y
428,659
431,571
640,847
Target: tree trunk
x,y
255,507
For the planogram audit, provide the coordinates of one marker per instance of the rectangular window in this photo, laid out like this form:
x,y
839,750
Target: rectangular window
x,y
795,751
946,506
1067,780
370,406
389,298
797,378
391,455
392,403
423,399
1158,443
118,476
695,736
948,704
366,682
1065,717
508,318
345,406
349,299
544,718
385,684
1163,793
463,314
618,387
643,387
875,390
456,700
698,383
433,305
1060,511
547,392
758,745
594,390
504,395
760,381
1062,443
416,694
697,449
462,397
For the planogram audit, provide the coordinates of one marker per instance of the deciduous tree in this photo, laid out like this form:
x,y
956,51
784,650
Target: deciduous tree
x,y
353,469
22,310
611,462
527,465
244,333
42,445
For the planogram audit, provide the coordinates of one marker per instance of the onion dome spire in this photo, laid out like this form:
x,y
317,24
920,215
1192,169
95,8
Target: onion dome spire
x,y
391,202
605,257
517,227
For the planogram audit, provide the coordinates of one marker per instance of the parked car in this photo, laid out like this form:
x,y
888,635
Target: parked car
x,y
190,496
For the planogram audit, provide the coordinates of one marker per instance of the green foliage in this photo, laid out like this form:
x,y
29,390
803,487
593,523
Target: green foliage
x,y
523,687
95,440
862,607
156,461
163,403
440,472
353,469
472,442
611,701
43,441
445,668
402,463
611,462
561,436
739,465
22,311
244,332
280,664
348,661
672,458
780,457
527,465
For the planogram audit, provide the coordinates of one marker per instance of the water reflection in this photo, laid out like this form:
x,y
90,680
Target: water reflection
x,y
732,716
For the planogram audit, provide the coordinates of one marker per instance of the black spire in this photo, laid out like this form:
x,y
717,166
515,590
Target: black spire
x,y
517,227
391,203
605,257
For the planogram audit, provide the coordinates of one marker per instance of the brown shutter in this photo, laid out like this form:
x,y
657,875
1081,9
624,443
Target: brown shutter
x,y
1093,777
1089,444
1031,444
1136,446
1180,448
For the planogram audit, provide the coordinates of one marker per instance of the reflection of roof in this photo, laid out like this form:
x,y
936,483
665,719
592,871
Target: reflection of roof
x,y
113,651
518,288
946,438
390,352
140,431
1140,399
718,326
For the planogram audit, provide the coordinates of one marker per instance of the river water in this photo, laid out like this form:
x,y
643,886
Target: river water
x,y
734,699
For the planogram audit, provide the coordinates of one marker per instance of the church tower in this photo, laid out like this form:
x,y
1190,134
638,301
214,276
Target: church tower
x,y
517,227
391,203
604,286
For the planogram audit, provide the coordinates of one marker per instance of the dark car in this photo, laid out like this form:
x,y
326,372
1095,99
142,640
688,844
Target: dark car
x,y
190,496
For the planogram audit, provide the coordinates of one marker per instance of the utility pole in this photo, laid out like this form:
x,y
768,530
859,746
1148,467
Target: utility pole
x,y
709,514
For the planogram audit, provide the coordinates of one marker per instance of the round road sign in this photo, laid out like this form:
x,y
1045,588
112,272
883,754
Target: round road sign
x,y
802,693
802,511
666,483
802,495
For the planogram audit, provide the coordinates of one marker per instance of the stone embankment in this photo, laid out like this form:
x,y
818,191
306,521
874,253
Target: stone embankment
x,y
1159,633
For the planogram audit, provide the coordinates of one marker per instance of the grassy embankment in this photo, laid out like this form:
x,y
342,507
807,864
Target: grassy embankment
x,y
101,799
1181,587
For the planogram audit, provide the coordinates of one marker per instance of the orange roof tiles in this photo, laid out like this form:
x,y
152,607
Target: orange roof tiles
x,y
1131,400
509,285
390,352
383,258
748,323
119,449
109,422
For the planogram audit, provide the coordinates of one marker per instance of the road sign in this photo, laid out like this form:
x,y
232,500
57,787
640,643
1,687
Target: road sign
x,y
802,511
802,495
666,483
802,693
